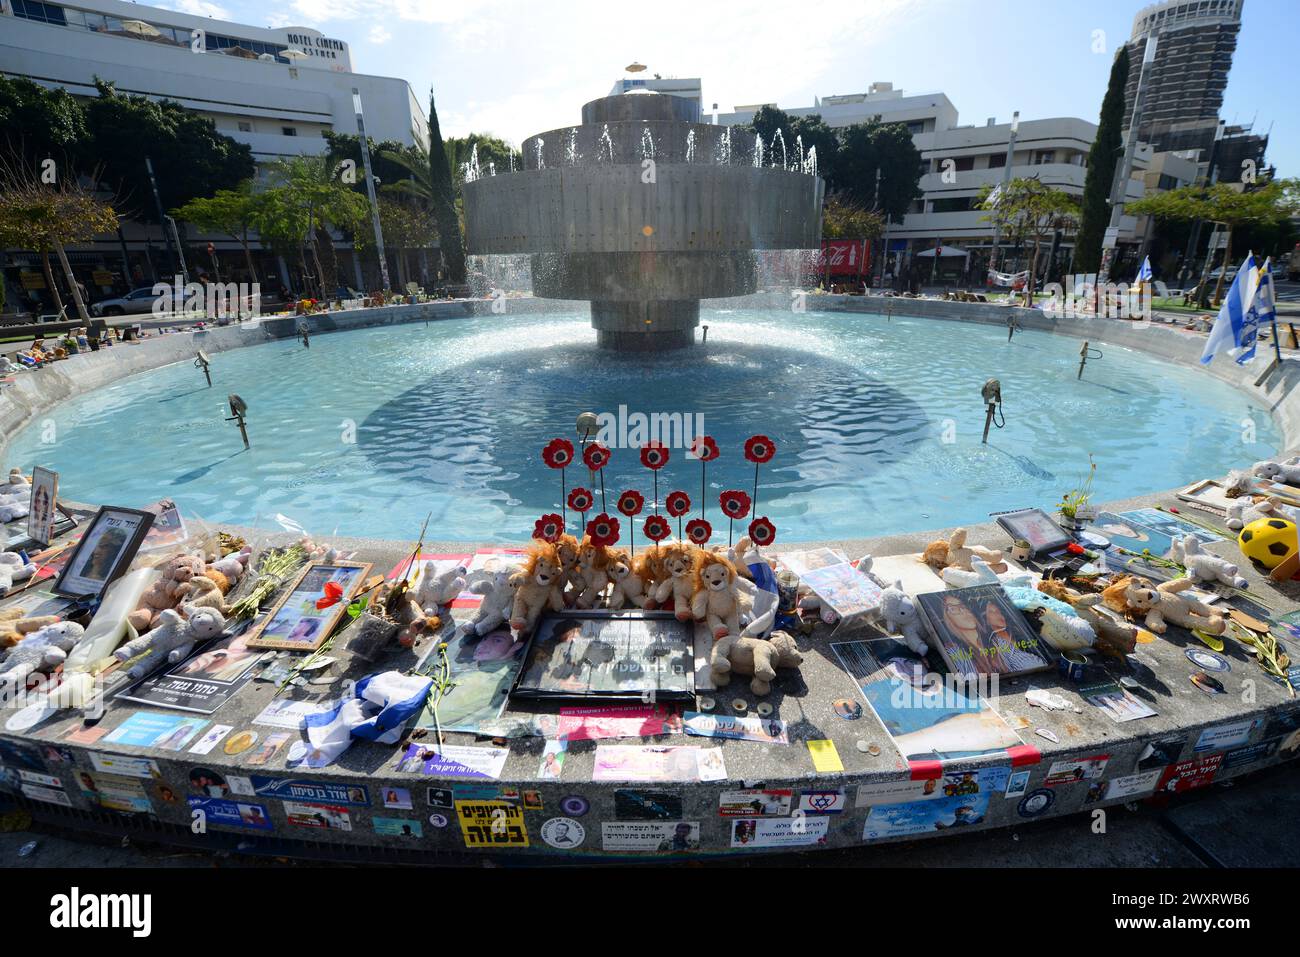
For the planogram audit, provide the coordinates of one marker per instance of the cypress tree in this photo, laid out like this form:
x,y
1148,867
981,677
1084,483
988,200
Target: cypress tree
x,y
1102,160
444,200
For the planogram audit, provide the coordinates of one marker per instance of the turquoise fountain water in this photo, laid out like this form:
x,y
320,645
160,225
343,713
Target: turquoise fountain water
x,y
877,424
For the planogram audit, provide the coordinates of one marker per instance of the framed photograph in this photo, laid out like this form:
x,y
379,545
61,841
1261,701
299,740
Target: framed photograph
x,y
980,632
104,552
1208,494
304,618
42,512
609,656
1036,527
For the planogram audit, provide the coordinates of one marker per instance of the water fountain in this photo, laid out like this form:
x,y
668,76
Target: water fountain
x,y
621,211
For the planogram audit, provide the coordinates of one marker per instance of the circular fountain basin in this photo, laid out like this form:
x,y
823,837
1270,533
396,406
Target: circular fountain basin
x,y
877,422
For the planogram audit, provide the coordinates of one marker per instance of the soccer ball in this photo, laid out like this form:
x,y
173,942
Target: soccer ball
x,y
1268,542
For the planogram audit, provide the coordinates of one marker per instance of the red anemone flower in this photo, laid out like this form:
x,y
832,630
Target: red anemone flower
x,y
735,503
762,532
698,531
759,449
603,530
558,453
704,448
333,595
549,528
596,456
656,528
654,455
678,504
581,499
631,502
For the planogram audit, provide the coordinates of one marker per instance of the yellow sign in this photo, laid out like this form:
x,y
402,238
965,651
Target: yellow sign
x,y
492,824
824,756
32,280
102,277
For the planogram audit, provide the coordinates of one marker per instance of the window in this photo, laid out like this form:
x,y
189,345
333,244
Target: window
x,y
40,12
288,131
245,126
1044,156
956,204
997,160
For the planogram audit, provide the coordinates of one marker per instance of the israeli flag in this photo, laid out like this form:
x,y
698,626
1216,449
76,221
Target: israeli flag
x,y
1265,305
1237,324
1144,274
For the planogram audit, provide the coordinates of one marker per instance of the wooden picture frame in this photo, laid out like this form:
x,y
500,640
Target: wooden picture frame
x,y
124,530
294,623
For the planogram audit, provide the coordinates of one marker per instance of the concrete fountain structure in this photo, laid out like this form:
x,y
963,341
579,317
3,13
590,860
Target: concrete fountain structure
x,y
643,210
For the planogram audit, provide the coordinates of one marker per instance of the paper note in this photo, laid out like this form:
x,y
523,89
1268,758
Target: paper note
x,y
824,756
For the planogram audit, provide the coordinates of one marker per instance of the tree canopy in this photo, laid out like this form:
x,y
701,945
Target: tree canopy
x,y
1102,159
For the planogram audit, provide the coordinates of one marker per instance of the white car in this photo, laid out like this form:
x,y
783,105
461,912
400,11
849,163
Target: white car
x,y
136,301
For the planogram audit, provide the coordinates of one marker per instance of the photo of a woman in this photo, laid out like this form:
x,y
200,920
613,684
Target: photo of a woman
x,y
981,633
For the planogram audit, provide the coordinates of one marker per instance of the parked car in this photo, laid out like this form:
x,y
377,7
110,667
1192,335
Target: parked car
x,y
136,301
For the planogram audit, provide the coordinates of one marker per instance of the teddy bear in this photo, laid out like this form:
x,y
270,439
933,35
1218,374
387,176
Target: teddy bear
x,y
900,616
1246,510
1162,604
167,592
231,568
679,584
955,552
171,640
649,567
981,573
714,600
627,588
537,587
437,589
1204,568
203,591
14,625
43,650
1115,639
498,598
1288,472
15,496
14,569
759,658
592,579
567,549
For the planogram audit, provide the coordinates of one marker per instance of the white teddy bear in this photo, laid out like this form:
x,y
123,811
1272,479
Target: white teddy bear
x,y
437,588
1288,472
171,639
498,598
14,569
15,496
982,574
899,615
1204,568
1245,510
42,650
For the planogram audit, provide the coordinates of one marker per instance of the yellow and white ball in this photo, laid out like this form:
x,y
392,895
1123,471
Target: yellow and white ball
x,y
1268,542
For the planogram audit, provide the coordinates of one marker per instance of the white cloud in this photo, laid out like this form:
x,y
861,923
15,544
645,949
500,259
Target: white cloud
x,y
379,34
198,8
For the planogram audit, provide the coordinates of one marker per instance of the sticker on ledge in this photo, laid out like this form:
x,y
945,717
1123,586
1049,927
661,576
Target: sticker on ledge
x,y
790,832
822,802
1037,803
824,756
754,802
633,805
492,824
397,827
653,836
1070,772
563,833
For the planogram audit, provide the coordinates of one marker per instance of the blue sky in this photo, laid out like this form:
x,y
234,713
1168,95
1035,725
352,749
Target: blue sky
x,y
516,67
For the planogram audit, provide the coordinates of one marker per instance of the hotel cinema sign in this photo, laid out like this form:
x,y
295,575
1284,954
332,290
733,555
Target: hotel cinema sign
x,y
322,47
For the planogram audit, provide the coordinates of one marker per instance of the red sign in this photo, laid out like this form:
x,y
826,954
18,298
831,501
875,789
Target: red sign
x,y
845,257
1189,775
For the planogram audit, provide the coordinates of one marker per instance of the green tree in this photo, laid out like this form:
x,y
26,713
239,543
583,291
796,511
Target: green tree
x,y
491,151
442,194
406,227
1029,211
229,211
38,124
190,157
1103,157
844,219
1221,203
887,147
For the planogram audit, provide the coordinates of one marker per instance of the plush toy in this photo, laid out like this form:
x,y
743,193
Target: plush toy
x,y
1246,510
714,599
167,592
759,658
593,575
1161,604
43,650
537,587
231,568
679,585
899,615
203,591
437,589
570,585
1115,639
14,625
172,639
498,598
955,552
1204,568
1288,472
628,590
1059,625
15,496
649,567
981,573
13,569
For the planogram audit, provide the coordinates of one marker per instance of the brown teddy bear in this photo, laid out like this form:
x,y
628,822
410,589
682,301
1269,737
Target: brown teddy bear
x,y
537,587
167,592
1161,604
14,627
759,658
592,577
955,553
628,586
649,567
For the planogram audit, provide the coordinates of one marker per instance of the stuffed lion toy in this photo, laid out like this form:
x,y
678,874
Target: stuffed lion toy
x,y
1162,604
537,587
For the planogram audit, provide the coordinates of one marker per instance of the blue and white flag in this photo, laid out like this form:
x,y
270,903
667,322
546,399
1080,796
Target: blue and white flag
x,y
1265,305
1144,274
1237,324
